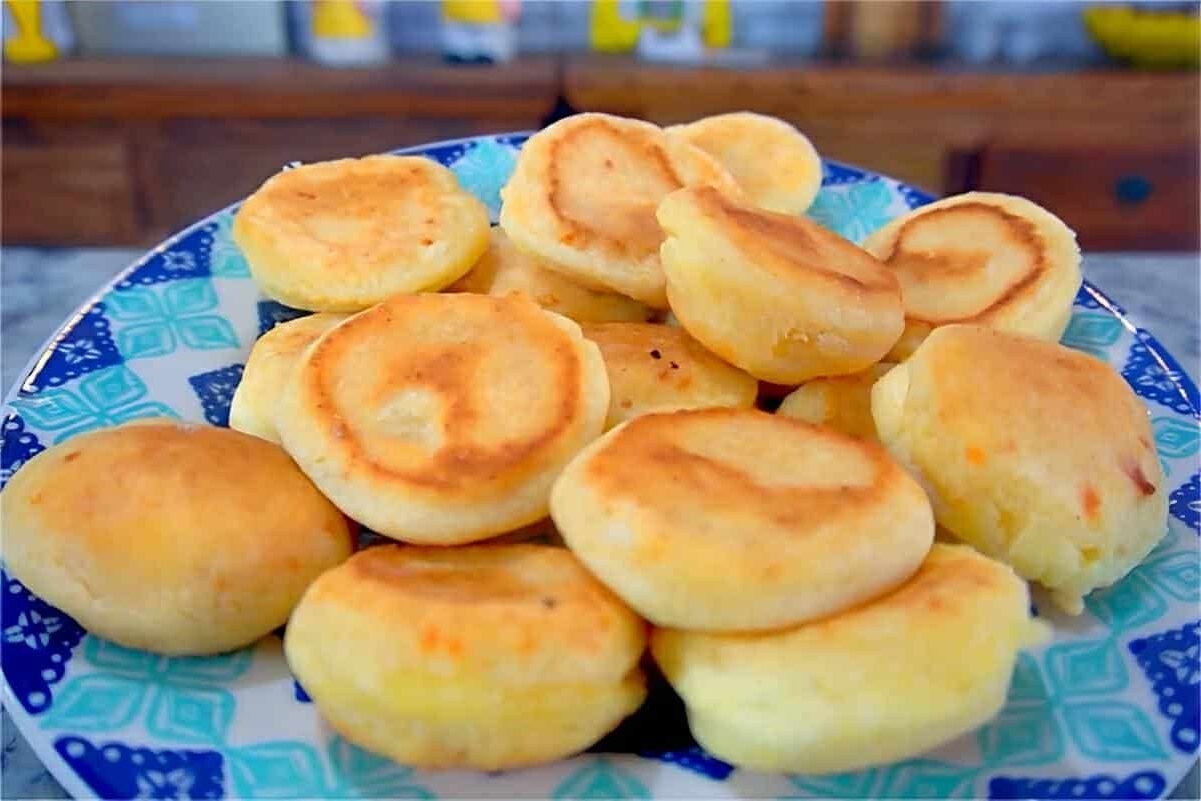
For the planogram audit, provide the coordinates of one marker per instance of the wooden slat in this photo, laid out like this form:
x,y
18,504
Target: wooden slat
x,y
275,88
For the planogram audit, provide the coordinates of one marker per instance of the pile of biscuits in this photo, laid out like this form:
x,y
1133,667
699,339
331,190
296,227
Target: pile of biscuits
x,y
556,422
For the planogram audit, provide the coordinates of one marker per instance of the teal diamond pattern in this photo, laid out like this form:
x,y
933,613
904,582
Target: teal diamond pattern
x,y
922,778
1112,731
1024,735
1176,438
283,769
600,779
195,715
1027,684
1092,332
1126,605
225,258
107,655
1178,574
217,670
361,774
483,169
154,320
1086,668
840,785
853,210
96,703
106,397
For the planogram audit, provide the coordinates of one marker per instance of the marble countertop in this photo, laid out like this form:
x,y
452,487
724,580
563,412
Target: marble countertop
x,y
40,287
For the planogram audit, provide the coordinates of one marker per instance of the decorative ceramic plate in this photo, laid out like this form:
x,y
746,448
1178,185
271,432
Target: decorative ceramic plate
x,y
1108,709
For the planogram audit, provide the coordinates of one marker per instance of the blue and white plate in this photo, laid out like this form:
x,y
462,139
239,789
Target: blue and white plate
x,y
1108,709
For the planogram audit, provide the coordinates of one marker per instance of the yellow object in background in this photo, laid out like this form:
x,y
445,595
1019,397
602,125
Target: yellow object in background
x,y
31,44
616,25
1153,39
475,12
340,19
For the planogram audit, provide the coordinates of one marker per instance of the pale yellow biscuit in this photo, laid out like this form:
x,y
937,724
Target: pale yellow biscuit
x,y
734,519
488,657
775,165
583,197
444,419
779,296
1036,454
844,403
343,235
885,681
982,258
170,537
253,407
503,270
658,368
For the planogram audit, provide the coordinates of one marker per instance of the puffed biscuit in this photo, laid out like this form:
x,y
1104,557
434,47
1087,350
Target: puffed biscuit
x,y
775,165
488,657
583,197
844,402
1036,454
878,683
343,235
503,270
658,368
982,258
443,419
203,544
736,520
271,360
779,296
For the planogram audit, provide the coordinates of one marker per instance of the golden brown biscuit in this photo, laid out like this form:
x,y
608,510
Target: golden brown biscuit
x,y
444,419
775,165
657,368
488,657
878,683
504,269
1036,454
982,258
344,235
272,358
844,402
681,514
207,546
779,296
584,193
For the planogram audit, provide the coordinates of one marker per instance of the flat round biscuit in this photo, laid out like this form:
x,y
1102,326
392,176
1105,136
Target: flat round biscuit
x,y
1037,454
486,657
843,402
658,368
583,197
779,296
343,235
775,165
444,419
207,547
503,270
885,681
982,258
271,360
681,513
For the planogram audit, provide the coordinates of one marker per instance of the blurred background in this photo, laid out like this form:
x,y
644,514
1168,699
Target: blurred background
x,y
125,120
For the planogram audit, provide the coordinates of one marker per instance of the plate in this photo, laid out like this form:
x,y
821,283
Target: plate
x,y
1108,709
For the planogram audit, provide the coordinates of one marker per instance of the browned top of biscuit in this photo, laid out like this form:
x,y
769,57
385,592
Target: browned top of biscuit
x,y
956,245
446,392
740,467
790,245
